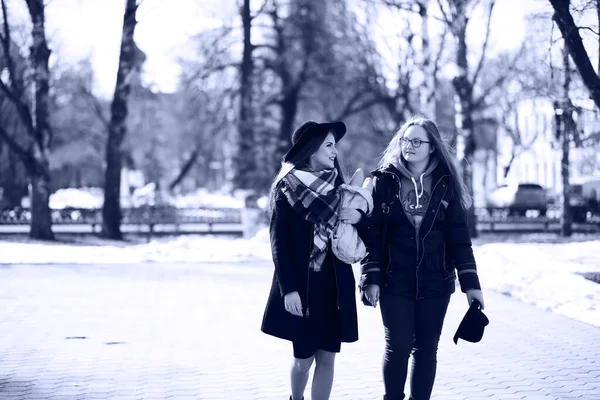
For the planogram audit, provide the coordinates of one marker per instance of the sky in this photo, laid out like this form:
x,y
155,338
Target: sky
x,y
80,29
92,28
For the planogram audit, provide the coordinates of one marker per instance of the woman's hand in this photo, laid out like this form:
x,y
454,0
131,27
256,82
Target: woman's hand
x,y
372,293
475,294
349,216
293,304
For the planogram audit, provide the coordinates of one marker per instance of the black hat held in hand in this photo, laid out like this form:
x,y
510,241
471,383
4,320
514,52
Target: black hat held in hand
x,y
310,130
472,325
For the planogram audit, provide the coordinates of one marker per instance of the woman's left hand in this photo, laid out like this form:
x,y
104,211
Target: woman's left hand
x,y
349,216
475,294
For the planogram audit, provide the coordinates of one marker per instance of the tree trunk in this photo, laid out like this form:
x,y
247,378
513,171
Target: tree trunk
x,y
598,20
41,221
246,160
289,109
427,91
15,187
111,211
464,123
567,217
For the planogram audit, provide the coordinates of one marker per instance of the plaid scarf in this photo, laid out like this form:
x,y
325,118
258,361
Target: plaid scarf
x,y
313,195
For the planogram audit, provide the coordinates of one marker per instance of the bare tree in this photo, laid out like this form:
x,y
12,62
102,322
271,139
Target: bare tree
x,y
33,114
293,50
574,44
565,128
246,162
428,100
423,60
117,129
201,130
456,15
520,141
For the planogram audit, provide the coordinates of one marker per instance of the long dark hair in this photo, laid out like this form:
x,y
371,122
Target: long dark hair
x,y
301,161
393,154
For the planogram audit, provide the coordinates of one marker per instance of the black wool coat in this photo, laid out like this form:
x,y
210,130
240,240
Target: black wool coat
x,y
291,245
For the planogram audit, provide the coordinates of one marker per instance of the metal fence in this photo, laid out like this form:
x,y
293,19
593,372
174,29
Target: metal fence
x,y
170,220
151,220
487,223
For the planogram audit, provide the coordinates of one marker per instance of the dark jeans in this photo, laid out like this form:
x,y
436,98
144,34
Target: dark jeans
x,y
411,326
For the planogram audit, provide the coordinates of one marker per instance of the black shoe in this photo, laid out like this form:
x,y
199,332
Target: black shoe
x,y
292,399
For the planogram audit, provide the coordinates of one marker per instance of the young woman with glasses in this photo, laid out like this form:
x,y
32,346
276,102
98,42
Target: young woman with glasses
x,y
419,244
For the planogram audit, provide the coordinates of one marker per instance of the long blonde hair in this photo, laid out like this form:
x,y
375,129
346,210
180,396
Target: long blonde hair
x,y
393,154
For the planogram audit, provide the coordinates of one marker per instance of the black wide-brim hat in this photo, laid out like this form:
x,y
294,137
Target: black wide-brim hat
x,y
472,325
311,130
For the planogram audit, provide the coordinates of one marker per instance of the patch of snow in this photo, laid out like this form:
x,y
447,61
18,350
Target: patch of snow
x,y
544,271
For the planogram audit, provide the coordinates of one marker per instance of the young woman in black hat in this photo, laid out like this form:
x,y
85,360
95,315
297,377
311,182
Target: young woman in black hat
x,y
312,299
419,243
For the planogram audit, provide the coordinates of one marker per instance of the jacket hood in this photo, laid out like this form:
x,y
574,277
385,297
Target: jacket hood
x,y
400,170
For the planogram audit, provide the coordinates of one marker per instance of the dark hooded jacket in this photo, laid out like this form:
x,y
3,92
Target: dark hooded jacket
x,y
416,248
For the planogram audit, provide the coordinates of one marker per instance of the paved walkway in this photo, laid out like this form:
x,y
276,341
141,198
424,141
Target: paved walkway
x,y
187,331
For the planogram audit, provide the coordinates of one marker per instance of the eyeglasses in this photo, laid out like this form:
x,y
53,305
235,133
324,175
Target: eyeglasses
x,y
415,142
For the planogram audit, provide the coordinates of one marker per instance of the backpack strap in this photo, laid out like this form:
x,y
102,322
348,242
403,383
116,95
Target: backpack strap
x,y
388,195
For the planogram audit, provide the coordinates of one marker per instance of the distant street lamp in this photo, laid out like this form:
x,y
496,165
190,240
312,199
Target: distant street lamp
x,y
558,113
564,126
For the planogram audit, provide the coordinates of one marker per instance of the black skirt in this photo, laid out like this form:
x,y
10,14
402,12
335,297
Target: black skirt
x,y
323,328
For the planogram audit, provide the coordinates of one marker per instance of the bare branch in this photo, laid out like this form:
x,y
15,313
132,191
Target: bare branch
x,y
351,108
485,43
480,100
592,138
139,4
204,73
21,107
260,10
444,14
438,57
95,105
574,43
265,46
194,155
213,64
23,154
402,5
6,46
587,28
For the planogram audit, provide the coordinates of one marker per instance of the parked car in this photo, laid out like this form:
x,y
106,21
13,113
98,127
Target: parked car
x,y
584,198
517,199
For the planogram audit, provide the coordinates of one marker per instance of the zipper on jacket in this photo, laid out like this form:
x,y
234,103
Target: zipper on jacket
x,y
395,179
417,235
417,260
387,267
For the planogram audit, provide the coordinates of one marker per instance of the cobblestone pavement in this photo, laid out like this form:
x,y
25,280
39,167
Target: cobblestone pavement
x,y
191,331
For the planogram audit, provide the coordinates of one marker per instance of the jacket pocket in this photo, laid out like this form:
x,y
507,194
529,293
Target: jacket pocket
x,y
434,264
